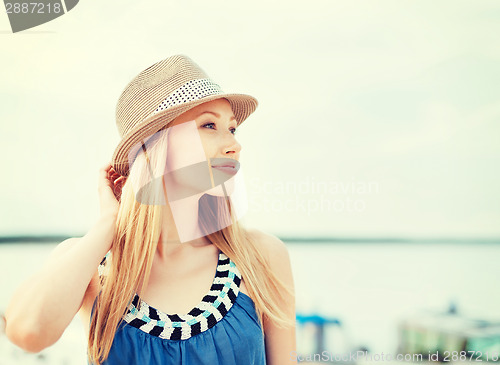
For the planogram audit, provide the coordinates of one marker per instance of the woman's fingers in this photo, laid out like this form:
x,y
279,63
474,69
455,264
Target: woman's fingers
x,y
108,174
109,189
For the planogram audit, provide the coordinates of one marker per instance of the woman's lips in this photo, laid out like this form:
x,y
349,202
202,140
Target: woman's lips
x,y
227,169
223,169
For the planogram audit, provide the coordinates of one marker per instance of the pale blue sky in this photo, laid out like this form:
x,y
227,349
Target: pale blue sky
x,y
404,95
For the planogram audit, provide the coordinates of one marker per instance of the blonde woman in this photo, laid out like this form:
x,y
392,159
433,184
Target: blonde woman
x,y
167,275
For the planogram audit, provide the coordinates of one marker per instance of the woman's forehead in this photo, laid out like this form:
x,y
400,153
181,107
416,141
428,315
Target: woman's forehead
x,y
217,106
212,105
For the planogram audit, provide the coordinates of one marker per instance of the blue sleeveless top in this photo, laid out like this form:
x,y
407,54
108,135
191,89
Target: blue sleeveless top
x,y
223,329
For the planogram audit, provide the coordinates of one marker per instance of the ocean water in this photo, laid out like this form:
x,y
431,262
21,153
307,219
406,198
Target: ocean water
x,y
369,287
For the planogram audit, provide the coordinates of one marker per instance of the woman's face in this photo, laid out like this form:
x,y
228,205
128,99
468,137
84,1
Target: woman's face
x,y
203,152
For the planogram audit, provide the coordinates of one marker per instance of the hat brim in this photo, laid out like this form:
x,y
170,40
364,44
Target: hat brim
x,y
242,105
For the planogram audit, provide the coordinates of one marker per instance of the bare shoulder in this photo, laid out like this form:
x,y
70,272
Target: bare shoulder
x,y
274,249
269,242
278,258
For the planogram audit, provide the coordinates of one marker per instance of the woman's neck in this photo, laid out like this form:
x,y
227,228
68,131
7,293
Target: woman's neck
x,y
180,227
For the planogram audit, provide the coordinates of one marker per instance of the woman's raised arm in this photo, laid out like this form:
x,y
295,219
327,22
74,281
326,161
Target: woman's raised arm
x,y
45,304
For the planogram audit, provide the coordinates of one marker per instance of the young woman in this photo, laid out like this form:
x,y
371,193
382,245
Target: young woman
x,y
167,275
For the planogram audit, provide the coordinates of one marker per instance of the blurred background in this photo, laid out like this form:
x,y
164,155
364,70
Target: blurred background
x,y
374,155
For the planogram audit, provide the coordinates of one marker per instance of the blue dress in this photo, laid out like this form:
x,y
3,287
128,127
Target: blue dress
x,y
223,329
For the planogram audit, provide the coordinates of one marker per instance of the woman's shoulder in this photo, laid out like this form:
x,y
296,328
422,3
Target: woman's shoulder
x,y
265,240
274,249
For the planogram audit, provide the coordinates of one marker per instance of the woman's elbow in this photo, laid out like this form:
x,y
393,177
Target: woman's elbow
x,y
28,337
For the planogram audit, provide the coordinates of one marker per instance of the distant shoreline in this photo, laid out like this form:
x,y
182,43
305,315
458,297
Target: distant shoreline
x,y
296,239
33,239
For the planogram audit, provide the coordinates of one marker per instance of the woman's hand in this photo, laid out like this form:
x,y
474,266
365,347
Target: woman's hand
x,y
110,188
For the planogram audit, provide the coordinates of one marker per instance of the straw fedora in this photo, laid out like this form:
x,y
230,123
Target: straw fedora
x,y
160,93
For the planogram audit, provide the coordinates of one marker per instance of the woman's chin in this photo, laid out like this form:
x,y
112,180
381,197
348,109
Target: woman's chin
x,y
222,192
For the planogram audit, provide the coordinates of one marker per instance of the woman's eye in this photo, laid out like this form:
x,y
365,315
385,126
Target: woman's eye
x,y
209,125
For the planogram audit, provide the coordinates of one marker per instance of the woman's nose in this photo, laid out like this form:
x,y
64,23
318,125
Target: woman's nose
x,y
231,146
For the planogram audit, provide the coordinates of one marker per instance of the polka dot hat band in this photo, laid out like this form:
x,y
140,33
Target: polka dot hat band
x,y
159,94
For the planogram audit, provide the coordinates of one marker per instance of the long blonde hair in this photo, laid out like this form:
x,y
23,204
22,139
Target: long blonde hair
x,y
137,233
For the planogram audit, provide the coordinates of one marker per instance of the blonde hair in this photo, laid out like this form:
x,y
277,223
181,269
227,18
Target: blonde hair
x,y
137,233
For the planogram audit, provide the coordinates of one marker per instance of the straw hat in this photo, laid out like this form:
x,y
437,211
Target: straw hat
x,y
159,94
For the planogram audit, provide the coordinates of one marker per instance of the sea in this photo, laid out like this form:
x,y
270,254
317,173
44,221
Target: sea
x,y
362,290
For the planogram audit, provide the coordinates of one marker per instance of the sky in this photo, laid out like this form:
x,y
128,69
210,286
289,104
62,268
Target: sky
x,y
375,118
